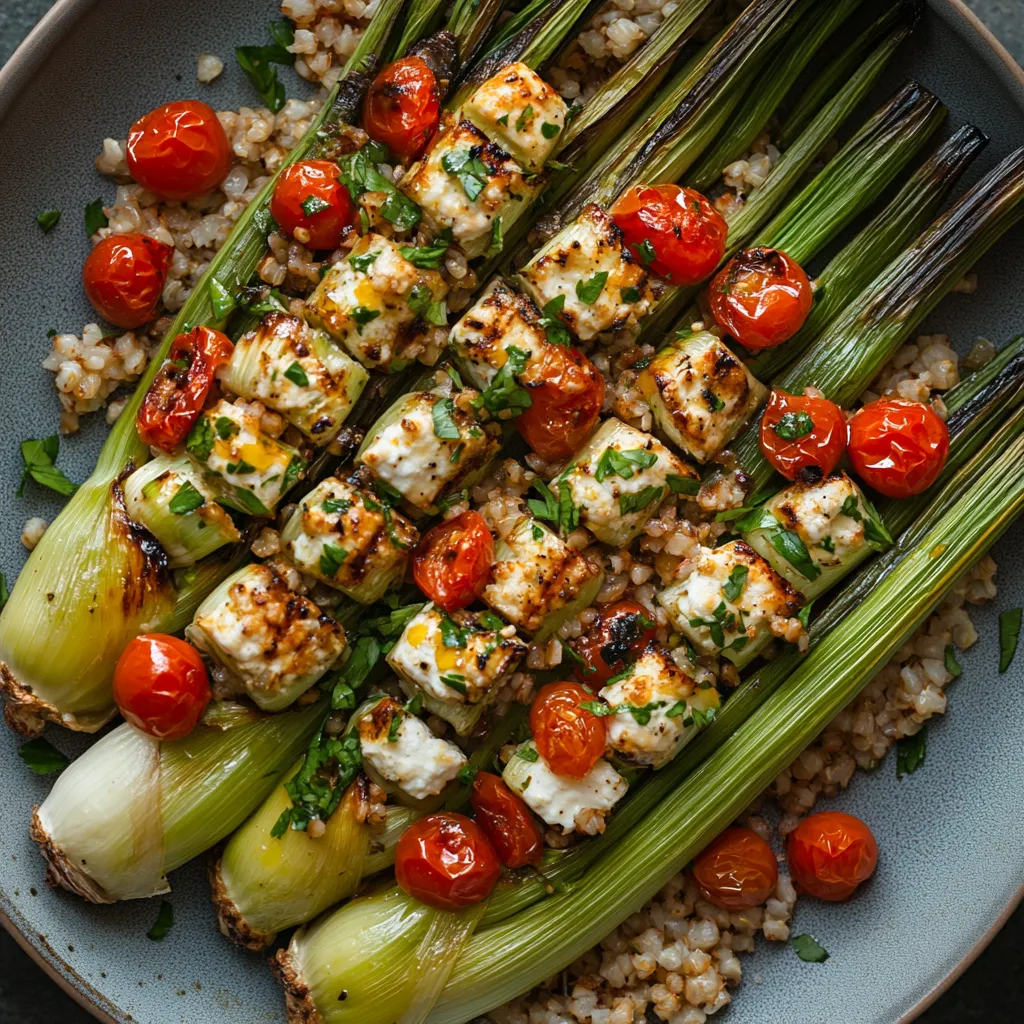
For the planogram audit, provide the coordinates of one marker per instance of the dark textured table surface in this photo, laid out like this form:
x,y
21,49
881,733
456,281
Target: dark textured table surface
x,y
992,990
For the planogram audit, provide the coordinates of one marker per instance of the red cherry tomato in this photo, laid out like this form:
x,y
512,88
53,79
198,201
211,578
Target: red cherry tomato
x,y
737,871
179,151
570,738
830,854
452,564
176,396
623,629
403,107
675,231
124,278
567,392
506,821
898,447
308,195
445,861
161,686
761,297
802,437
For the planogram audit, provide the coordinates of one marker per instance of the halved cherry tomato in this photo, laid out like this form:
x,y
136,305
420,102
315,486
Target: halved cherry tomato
x,y
452,564
179,151
674,231
308,197
176,396
446,861
570,738
161,686
830,854
124,277
898,447
623,629
403,107
803,437
507,822
737,871
566,394
760,297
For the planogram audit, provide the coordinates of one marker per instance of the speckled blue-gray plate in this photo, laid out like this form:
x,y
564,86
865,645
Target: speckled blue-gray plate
x,y
952,835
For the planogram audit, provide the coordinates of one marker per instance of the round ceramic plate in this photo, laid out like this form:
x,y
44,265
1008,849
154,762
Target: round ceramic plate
x,y
952,834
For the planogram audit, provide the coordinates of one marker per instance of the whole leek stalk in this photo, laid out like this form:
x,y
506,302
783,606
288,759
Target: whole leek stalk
x,y
133,808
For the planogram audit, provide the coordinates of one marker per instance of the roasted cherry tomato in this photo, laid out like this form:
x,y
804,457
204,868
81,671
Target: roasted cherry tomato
x,y
179,151
452,564
898,447
176,396
830,854
124,278
569,737
803,437
309,198
737,871
760,297
674,231
403,107
506,821
623,629
161,686
446,861
566,394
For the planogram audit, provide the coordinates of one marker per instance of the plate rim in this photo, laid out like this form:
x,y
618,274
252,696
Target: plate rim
x,y
15,76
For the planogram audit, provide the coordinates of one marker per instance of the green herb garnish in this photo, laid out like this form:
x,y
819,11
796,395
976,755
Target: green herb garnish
x,y
297,375
470,170
95,218
1009,634
445,426
163,923
588,291
186,499
48,220
42,757
792,425
910,752
38,458
623,463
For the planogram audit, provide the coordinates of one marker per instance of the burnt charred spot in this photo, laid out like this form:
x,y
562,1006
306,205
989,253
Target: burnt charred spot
x,y
623,631
789,513
147,574
575,244
809,475
380,717
724,363
322,424
758,261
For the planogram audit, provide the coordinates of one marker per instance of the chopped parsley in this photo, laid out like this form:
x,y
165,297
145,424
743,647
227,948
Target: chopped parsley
x,y
735,583
42,757
225,426
505,391
828,544
910,752
365,261
455,682
428,257
808,949
630,294
556,331
792,425
496,239
623,463
527,753
721,620
470,170
363,316
297,375
794,551
186,499
525,117
48,220
95,218
38,458
503,120
163,923
588,291
646,251
312,205
336,505
452,634
1009,634
561,510
423,303
851,509
467,774
549,129
683,484
952,665
258,64
331,558
638,501
248,502
715,404
359,175
489,620
445,426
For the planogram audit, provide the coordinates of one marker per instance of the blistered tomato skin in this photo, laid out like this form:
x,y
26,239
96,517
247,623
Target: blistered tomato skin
x,y
446,861
802,436
897,447
179,151
403,107
566,393
161,686
507,822
452,564
309,198
623,629
674,231
179,390
569,737
830,854
124,277
737,871
761,298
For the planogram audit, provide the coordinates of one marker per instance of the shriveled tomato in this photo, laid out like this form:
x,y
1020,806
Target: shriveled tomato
x,y
403,107
830,854
161,686
566,394
124,277
179,151
802,436
760,297
312,205
176,396
569,737
452,564
898,447
675,231
623,630
507,822
446,861
737,870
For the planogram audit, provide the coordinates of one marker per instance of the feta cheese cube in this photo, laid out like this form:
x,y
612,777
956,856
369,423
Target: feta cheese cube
x,y
701,395
408,755
373,303
519,111
592,278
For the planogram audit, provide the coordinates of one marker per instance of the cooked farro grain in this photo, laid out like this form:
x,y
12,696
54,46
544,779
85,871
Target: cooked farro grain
x,y
32,532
